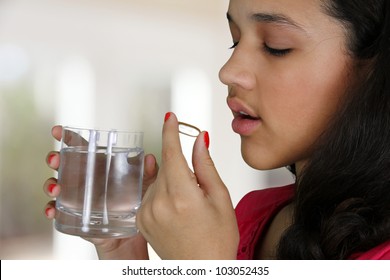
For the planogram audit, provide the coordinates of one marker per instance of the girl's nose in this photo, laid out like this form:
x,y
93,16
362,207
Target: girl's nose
x,y
238,71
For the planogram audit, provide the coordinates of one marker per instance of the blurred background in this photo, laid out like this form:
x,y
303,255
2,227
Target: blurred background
x,y
108,64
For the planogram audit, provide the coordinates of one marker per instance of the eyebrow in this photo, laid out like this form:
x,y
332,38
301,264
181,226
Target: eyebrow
x,y
272,18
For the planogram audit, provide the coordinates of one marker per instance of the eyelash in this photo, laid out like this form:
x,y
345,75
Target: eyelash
x,y
276,52
269,50
234,45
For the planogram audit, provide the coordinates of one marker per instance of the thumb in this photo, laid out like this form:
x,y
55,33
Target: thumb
x,y
204,168
150,172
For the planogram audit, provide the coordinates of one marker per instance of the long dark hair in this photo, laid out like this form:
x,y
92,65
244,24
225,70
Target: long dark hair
x,y
342,202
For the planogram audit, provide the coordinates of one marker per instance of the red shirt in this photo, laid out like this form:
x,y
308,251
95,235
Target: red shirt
x,y
256,211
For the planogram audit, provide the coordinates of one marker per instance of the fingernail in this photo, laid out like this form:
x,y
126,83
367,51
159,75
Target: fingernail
x,y
206,139
47,211
50,158
167,116
51,187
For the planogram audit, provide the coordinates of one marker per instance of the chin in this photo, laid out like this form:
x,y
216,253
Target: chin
x,y
259,163
261,160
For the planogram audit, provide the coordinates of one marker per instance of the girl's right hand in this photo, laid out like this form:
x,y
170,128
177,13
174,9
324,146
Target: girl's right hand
x,y
127,248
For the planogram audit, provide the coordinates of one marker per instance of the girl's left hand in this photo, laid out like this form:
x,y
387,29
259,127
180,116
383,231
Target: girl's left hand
x,y
186,215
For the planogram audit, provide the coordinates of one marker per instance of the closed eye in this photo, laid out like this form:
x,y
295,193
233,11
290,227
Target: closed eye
x,y
269,50
276,52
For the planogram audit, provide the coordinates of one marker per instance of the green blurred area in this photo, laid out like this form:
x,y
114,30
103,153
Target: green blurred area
x,y
25,141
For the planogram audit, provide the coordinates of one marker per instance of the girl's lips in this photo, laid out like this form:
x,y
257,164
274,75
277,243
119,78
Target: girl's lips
x,y
245,121
245,126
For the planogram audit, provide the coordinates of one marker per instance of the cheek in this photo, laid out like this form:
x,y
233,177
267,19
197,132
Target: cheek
x,y
309,96
297,108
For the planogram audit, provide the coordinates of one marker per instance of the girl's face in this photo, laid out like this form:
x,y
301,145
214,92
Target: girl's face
x,y
286,77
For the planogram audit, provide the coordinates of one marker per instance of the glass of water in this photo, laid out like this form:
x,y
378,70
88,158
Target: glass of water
x,y
100,175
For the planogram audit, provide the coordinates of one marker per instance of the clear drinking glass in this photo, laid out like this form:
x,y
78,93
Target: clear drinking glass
x,y
100,175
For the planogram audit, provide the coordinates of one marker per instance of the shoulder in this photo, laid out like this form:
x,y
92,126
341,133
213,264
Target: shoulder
x,y
381,252
273,192
254,213
263,199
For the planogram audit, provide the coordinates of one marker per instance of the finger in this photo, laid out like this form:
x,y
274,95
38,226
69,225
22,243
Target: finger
x,y
51,187
150,172
172,154
56,131
50,210
173,161
171,147
70,138
206,173
150,169
53,160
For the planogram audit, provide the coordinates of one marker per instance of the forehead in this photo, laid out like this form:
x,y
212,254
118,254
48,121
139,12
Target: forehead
x,y
309,15
285,5
303,11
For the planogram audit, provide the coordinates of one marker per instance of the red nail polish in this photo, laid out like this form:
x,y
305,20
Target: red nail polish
x,y
47,211
50,158
167,116
206,139
51,187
